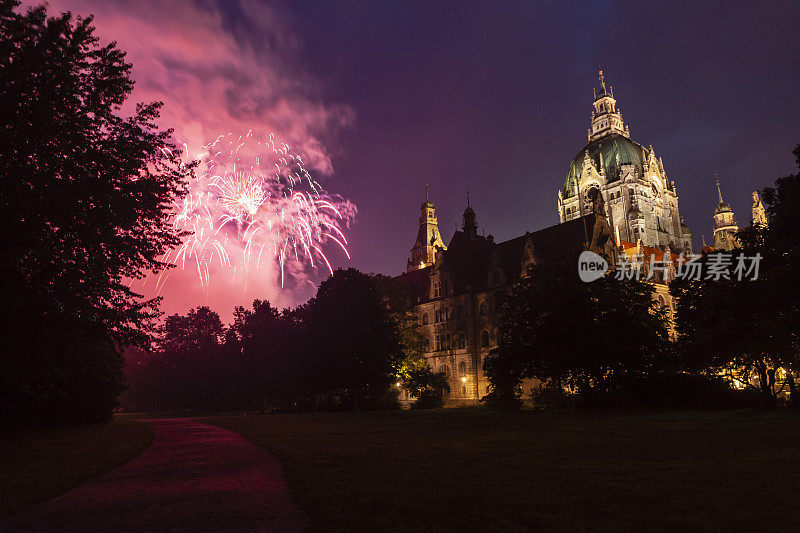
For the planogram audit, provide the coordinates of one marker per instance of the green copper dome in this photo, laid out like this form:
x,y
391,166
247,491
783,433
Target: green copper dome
x,y
616,150
722,208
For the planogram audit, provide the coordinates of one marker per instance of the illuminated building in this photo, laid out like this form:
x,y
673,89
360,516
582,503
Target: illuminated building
x,y
641,201
725,227
616,200
428,237
759,213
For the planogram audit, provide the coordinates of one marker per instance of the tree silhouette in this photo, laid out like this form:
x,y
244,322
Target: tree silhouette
x,y
558,329
84,206
353,338
750,329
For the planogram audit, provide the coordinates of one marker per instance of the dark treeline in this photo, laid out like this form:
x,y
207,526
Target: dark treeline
x,y
346,348
603,344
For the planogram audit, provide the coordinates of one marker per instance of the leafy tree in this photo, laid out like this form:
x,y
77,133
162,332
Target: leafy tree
x,y
200,329
734,327
267,344
427,386
84,207
557,329
400,300
353,343
751,329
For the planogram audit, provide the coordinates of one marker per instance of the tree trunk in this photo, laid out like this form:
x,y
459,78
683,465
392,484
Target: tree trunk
x,y
767,392
794,399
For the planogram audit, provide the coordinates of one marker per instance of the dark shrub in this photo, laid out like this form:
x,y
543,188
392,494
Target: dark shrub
x,y
671,391
429,399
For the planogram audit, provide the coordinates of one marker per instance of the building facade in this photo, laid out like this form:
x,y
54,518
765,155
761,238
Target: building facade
x,y
616,201
454,297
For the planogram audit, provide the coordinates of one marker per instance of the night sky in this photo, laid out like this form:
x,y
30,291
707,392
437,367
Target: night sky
x,y
490,98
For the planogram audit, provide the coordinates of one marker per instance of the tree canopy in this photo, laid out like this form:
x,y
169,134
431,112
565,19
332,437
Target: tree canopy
x,y
556,328
750,329
85,202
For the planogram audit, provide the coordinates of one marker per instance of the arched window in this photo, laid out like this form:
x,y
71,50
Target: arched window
x,y
424,319
462,367
482,309
485,339
445,369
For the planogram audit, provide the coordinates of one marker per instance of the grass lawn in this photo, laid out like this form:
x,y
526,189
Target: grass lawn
x,y
42,464
477,469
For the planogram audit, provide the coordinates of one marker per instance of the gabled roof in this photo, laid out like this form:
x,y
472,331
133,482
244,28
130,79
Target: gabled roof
x,y
416,281
468,260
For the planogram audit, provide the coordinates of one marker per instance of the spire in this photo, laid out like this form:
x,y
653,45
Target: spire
x,y
719,191
470,222
427,203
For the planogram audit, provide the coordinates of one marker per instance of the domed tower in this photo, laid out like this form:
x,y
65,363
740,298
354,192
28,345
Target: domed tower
x,y
428,240
641,202
725,227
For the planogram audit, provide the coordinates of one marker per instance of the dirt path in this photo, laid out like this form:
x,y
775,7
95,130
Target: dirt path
x,y
195,477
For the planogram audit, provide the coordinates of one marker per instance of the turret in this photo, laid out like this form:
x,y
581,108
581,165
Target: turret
x,y
759,213
725,227
470,226
606,119
423,253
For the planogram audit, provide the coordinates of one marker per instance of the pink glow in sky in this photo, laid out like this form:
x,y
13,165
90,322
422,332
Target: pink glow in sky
x,y
213,81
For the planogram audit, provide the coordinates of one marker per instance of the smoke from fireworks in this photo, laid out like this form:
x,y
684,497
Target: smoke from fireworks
x,y
252,203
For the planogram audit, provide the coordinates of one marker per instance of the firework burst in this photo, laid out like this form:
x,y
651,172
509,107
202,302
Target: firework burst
x,y
254,201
